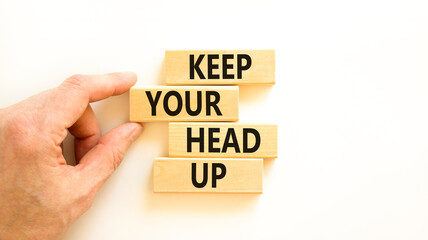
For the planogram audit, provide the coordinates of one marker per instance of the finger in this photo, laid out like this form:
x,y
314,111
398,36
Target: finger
x,y
101,161
101,86
74,94
86,132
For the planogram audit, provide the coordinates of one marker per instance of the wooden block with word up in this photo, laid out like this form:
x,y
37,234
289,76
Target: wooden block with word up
x,y
184,103
208,175
234,140
220,67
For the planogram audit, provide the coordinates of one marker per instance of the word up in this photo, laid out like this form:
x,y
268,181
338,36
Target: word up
x,y
208,175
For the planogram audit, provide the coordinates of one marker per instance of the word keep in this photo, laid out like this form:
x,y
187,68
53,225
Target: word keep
x,y
220,67
241,65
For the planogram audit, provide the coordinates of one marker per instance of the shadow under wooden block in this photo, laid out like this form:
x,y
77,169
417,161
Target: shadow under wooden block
x,y
182,103
235,140
222,175
219,67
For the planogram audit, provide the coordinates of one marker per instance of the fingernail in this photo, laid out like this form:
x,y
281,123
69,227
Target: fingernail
x,y
138,129
129,74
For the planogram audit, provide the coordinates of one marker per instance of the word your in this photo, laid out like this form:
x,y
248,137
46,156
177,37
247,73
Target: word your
x,y
210,102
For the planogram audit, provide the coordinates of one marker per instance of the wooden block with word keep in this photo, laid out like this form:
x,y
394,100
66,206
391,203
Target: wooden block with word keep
x,y
223,140
184,103
220,67
208,175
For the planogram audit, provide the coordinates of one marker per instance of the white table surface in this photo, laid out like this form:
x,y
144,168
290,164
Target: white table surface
x,y
350,102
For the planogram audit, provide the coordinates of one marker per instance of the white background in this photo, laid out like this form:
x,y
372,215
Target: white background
x,y
350,102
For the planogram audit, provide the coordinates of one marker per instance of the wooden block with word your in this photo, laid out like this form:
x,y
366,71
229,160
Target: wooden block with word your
x,y
220,67
221,175
235,140
184,103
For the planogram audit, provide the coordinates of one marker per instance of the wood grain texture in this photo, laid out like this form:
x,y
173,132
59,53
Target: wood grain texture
x,y
175,175
225,109
218,135
178,67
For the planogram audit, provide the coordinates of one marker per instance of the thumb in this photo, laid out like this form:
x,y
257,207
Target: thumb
x,y
102,160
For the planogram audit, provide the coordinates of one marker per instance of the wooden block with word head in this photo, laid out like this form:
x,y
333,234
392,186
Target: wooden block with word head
x,y
220,67
184,103
220,175
235,140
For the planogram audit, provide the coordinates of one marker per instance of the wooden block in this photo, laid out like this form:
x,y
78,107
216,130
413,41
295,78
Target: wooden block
x,y
222,67
208,175
181,103
222,140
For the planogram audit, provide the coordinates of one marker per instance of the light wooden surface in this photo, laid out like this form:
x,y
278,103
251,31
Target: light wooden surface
x,y
219,67
223,140
184,103
236,176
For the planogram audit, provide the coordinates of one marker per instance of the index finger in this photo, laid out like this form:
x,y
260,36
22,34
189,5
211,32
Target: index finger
x,y
75,93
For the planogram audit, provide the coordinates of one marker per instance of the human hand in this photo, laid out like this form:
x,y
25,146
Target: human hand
x,y
40,195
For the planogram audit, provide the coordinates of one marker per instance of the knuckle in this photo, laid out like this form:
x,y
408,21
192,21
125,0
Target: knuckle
x,y
76,81
117,156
